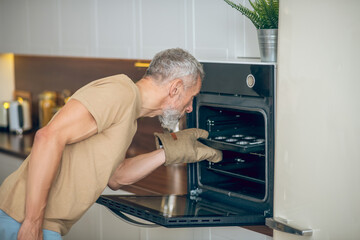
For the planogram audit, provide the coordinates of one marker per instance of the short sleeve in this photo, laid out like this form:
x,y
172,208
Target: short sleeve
x,y
108,100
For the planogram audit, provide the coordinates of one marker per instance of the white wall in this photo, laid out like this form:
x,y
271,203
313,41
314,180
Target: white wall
x,y
318,129
125,29
7,83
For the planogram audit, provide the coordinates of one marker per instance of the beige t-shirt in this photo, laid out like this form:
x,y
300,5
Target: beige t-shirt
x,y
86,166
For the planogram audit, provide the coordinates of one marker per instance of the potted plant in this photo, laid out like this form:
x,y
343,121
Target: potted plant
x,y
265,17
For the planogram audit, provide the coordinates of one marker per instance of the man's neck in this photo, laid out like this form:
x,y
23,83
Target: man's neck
x,y
152,97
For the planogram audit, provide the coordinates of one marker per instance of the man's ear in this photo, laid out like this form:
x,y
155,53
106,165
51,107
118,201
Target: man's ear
x,y
176,87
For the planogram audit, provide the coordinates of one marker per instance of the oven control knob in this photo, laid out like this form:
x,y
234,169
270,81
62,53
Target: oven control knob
x,y
250,81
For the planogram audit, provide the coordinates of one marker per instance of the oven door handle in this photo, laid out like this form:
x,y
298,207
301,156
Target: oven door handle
x,y
129,220
282,225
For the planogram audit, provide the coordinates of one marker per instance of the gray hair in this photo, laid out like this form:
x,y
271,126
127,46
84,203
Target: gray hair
x,y
175,63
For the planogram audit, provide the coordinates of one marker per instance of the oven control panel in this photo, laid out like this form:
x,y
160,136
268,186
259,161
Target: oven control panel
x,y
239,79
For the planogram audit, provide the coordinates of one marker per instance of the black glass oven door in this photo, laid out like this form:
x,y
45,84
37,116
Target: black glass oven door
x,y
180,211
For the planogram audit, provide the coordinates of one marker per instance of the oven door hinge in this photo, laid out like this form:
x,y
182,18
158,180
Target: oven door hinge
x,y
268,213
194,194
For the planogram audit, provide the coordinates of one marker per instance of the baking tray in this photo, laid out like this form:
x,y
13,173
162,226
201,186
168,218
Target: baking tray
x,y
232,147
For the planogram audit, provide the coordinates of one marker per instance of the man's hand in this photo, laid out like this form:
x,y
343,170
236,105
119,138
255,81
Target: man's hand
x,y
30,231
183,147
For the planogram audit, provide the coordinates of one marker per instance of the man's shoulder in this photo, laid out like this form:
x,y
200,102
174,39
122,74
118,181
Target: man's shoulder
x,y
115,88
118,79
112,84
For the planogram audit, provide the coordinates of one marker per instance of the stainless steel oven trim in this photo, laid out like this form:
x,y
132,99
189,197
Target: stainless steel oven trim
x,y
266,151
250,61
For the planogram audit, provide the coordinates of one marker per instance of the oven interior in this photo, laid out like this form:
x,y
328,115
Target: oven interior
x,y
241,135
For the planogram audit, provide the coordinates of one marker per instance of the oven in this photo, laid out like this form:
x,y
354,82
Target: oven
x,y
236,105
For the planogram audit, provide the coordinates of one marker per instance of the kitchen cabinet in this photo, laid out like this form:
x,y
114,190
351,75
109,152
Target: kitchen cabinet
x,y
220,233
14,31
116,32
168,29
77,27
209,29
43,36
99,224
220,31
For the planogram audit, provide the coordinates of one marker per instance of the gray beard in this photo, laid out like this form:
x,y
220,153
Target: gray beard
x,y
169,119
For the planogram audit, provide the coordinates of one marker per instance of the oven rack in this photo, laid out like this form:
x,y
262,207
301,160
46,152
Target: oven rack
x,y
259,147
237,175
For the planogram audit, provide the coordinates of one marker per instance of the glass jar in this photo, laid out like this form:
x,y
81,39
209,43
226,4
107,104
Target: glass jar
x,y
47,103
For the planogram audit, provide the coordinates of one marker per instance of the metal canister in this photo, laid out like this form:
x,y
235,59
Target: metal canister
x,y
47,103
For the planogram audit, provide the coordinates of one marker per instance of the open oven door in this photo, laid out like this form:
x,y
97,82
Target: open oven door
x,y
180,211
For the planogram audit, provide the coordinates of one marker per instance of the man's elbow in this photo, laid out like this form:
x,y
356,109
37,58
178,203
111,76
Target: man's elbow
x,y
113,186
46,140
116,184
47,135
42,135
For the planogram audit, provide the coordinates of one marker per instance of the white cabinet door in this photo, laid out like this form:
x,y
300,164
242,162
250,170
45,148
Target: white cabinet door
x,y
77,24
29,27
43,27
113,228
214,29
162,25
220,31
317,157
116,28
8,164
13,26
100,224
202,233
88,227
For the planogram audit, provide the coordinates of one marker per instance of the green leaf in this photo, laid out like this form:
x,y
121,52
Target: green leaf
x,y
265,14
245,11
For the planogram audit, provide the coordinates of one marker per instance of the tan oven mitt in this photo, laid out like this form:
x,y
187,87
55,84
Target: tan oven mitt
x,y
183,147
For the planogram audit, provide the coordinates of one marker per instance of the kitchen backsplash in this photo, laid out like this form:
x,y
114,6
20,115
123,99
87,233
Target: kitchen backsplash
x,y
36,74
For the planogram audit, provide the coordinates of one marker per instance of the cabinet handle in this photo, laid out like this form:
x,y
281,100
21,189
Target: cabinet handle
x,y
129,220
142,64
283,226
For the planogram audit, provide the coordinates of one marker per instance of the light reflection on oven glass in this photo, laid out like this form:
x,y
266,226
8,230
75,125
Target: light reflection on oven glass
x,y
167,205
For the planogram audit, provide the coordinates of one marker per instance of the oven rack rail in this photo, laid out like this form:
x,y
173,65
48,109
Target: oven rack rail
x,y
241,176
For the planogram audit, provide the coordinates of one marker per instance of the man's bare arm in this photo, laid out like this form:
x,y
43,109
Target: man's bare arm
x,y
72,124
134,169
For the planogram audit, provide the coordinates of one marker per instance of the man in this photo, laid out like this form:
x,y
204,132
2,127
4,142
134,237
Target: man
x,y
82,149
